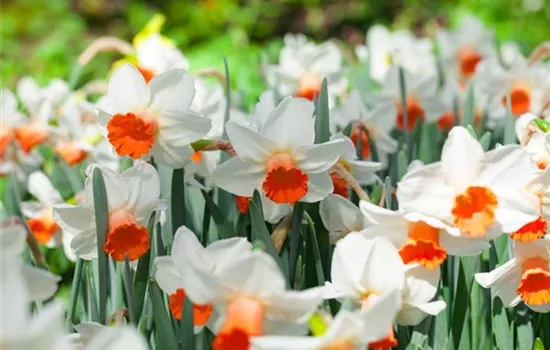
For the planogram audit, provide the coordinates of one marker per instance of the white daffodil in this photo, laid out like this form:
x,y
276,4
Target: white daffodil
x,y
94,336
170,272
39,213
155,119
510,53
347,331
423,102
363,171
538,145
249,293
18,329
528,86
473,193
525,277
11,117
302,67
366,126
362,271
132,196
19,163
340,216
421,286
419,238
281,159
461,50
39,283
398,48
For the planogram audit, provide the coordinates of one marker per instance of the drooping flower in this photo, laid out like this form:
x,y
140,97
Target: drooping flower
x,y
248,290
422,101
398,48
155,119
525,277
475,194
348,330
420,239
367,126
340,217
281,158
132,195
302,67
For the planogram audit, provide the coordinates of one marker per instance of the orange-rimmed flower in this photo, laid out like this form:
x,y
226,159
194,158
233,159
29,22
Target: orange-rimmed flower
x,y
11,117
133,196
525,277
154,119
471,193
281,158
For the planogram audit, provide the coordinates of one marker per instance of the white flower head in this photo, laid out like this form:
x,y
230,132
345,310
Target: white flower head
x,y
340,216
155,56
152,119
132,195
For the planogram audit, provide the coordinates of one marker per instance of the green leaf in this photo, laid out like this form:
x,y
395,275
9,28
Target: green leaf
x,y
471,130
312,247
187,334
101,208
509,122
294,236
469,105
75,288
225,228
501,326
524,328
402,164
259,229
128,289
418,341
200,144
166,338
75,180
485,140
317,325
460,306
539,345
403,94
388,189
142,275
177,200
322,115
542,124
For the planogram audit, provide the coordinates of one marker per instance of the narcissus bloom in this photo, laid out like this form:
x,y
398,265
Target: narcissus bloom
x,y
398,48
281,158
132,195
302,67
347,331
340,216
419,238
525,277
538,145
170,273
475,194
155,119
367,126
461,50
249,293
422,100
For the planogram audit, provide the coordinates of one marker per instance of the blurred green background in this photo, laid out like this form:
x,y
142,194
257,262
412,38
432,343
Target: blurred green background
x,y
43,38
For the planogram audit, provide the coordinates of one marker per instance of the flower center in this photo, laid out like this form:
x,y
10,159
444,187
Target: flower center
x,y
284,182
531,231
71,153
30,135
243,203
43,227
126,237
197,157
542,164
414,112
387,342
356,132
534,286
474,210
132,134
468,59
340,185
446,121
520,99
309,86
243,319
147,73
422,246
201,313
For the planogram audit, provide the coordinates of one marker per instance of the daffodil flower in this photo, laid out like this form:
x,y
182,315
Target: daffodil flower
x,y
538,145
473,193
155,119
281,159
302,67
247,290
132,195
347,331
340,216
525,277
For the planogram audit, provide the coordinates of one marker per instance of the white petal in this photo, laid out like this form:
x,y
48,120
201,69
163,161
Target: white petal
x,y
179,128
291,123
41,187
13,241
319,186
503,280
411,315
226,251
421,284
275,342
321,157
143,183
32,209
522,123
294,306
248,143
41,284
84,244
172,90
274,212
462,246
379,317
167,275
127,90
461,158
73,218
339,214
117,192
186,249
239,176
118,338
171,155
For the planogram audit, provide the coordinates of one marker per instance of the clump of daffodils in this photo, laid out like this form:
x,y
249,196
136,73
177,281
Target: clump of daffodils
x,y
334,215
